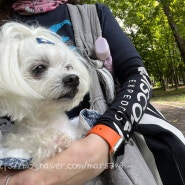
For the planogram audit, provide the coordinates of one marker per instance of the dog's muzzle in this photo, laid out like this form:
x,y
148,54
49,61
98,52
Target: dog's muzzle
x,y
71,80
71,83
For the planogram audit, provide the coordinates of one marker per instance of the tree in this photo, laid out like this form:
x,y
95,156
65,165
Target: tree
x,y
179,39
152,33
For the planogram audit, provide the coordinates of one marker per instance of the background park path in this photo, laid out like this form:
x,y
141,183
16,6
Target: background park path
x,y
174,114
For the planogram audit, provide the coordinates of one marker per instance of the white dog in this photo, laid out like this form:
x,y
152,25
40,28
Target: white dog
x,y
40,79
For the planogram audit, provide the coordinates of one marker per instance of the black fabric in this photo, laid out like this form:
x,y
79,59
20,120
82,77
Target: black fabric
x,y
127,106
58,20
168,152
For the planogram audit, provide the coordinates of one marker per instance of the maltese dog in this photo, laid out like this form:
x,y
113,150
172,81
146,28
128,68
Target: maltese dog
x,y
40,79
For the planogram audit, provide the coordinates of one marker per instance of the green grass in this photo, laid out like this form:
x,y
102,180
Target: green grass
x,y
170,97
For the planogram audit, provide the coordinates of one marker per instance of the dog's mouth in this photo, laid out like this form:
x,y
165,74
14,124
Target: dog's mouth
x,y
71,83
69,94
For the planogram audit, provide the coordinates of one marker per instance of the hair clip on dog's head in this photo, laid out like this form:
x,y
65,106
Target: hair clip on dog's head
x,y
44,41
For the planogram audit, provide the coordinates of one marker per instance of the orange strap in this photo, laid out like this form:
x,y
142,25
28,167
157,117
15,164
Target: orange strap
x,y
106,133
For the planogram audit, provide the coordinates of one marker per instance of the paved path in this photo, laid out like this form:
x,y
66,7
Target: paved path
x,y
174,115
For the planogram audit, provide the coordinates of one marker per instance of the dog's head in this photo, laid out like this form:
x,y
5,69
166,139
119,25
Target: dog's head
x,y
38,71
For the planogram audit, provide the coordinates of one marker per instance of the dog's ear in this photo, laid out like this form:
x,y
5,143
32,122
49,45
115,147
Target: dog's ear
x,y
20,31
11,79
14,30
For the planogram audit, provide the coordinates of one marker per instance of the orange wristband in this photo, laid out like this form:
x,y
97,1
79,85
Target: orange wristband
x,y
109,135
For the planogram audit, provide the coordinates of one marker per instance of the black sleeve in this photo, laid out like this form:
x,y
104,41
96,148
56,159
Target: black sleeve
x,y
122,50
131,102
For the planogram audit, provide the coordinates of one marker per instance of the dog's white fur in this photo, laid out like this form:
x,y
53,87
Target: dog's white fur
x,y
32,91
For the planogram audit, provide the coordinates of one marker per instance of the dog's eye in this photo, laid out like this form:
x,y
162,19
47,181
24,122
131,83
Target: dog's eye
x,y
38,70
68,67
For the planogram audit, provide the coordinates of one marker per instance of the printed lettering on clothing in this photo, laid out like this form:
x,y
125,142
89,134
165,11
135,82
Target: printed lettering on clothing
x,y
145,87
139,91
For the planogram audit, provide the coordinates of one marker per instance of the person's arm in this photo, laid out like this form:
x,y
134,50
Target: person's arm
x,y
83,160
132,100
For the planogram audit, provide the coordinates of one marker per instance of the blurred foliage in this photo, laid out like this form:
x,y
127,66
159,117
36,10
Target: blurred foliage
x,y
147,26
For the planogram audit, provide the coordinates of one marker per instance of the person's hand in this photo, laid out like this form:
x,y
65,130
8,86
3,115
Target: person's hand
x,y
82,161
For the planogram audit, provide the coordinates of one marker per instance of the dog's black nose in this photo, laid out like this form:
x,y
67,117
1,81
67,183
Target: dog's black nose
x,y
71,80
